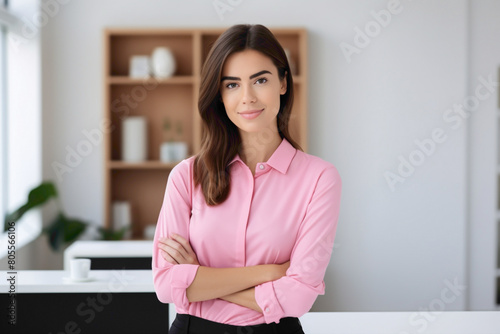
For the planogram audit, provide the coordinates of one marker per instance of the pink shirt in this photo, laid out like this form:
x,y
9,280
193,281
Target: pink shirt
x,y
288,210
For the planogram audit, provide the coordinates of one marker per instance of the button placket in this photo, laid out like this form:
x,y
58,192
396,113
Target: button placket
x,y
247,203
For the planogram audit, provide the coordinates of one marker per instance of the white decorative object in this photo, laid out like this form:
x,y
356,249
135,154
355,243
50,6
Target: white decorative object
x,y
140,67
79,269
173,151
122,217
134,139
163,62
165,155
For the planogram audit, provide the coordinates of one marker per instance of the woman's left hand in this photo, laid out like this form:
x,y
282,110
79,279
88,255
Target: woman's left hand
x,y
177,250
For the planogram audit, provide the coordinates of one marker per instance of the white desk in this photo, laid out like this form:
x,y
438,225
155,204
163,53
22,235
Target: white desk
x,y
111,249
401,323
113,301
54,281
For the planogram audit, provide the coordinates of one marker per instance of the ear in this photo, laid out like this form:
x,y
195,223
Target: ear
x,y
283,84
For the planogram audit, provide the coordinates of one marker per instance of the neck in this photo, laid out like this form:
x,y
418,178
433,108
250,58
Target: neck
x,y
258,147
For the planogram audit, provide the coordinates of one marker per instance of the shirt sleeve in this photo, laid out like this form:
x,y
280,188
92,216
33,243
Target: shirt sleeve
x,y
171,281
294,294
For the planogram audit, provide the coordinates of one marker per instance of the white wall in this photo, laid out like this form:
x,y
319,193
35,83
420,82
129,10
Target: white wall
x,y
395,250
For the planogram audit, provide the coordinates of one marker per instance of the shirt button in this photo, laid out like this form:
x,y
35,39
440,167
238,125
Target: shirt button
x,y
261,166
267,309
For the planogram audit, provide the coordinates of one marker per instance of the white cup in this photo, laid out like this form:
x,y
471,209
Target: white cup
x,y
79,269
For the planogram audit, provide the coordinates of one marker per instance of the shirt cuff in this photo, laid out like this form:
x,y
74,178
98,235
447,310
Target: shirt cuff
x,y
182,277
267,301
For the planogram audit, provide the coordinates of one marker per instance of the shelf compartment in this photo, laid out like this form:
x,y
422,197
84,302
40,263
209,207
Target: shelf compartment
x,y
207,41
122,47
144,190
292,43
172,102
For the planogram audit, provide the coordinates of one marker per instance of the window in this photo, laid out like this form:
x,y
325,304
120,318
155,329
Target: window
x,y
20,121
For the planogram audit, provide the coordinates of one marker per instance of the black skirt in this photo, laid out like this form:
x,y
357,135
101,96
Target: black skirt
x,y
188,324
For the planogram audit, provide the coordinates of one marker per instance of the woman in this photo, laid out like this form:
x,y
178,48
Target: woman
x,y
246,228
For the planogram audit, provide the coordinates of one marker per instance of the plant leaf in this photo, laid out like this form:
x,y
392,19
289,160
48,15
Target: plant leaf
x,y
63,230
72,229
36,197
55,232
110,234
42,193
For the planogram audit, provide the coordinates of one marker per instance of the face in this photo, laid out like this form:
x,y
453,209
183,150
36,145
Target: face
x,y
250,90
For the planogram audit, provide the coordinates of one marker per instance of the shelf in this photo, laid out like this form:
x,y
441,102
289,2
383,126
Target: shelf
x,y
126,80
183,79
115,164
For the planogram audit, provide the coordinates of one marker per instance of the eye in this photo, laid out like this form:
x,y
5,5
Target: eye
x,y
231,85
261,81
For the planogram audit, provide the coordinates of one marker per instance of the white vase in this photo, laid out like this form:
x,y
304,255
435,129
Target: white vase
x,y
163,62
122,217
134,139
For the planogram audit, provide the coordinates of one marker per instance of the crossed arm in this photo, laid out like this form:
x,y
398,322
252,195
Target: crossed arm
x,y
235,285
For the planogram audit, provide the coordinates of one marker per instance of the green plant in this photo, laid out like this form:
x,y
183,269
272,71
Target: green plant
x,y
167,130
167,126
62,230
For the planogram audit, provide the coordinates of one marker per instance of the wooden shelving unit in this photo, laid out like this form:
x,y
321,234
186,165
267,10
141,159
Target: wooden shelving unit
x,y
143,184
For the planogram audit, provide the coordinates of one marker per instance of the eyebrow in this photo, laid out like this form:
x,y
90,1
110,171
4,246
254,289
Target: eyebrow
x,y
251,77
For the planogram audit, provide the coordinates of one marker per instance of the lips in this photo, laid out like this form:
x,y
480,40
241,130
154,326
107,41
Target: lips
x,y
251,114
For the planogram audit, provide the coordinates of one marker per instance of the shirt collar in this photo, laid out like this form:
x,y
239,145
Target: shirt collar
x,y
281,158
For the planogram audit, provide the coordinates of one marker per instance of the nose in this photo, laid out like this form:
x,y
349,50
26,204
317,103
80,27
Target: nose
x,y
248,96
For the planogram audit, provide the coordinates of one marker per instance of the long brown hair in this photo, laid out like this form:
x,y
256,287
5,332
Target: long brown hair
x,y
220,137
